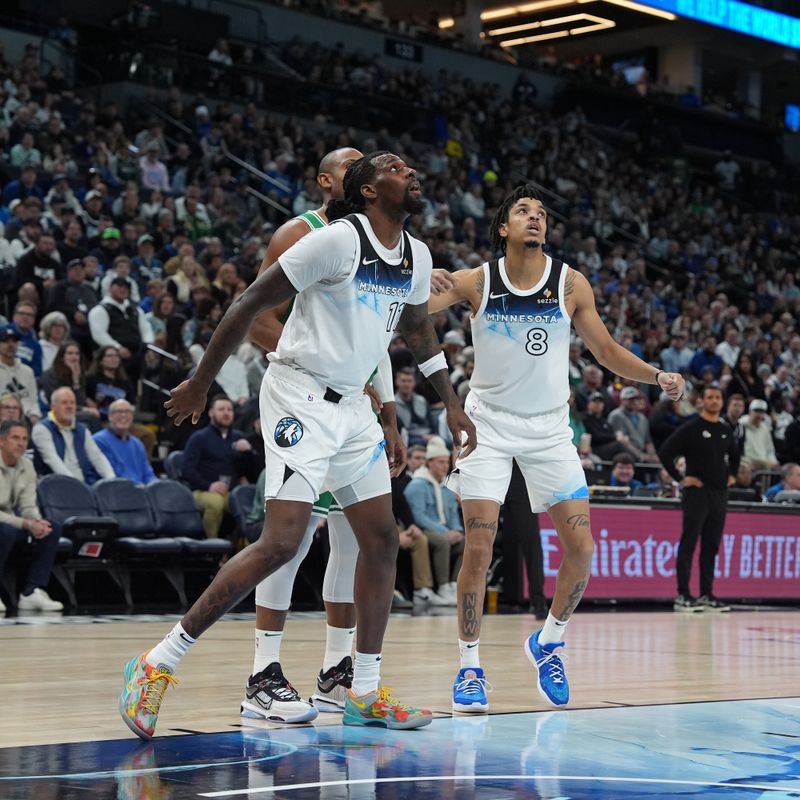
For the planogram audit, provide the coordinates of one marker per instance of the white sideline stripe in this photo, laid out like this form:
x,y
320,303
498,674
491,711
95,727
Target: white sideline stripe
x,y
425,779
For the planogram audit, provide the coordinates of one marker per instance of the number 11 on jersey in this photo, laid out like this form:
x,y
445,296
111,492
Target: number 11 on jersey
x,y
395,310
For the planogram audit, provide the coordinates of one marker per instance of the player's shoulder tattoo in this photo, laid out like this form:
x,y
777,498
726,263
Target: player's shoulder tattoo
x,y
480,281
569,282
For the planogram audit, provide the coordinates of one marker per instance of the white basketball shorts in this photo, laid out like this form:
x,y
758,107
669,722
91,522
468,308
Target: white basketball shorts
x,y
333,446
542,446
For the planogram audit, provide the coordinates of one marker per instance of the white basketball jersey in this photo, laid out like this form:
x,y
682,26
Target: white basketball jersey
x,y
352,292
521,341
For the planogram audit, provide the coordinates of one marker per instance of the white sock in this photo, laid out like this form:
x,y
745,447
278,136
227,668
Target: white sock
x,y
366,673
171,649
338,645
553,630
268,649
469,652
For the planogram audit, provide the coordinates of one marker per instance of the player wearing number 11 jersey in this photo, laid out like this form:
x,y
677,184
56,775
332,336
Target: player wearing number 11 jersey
x,y
523,305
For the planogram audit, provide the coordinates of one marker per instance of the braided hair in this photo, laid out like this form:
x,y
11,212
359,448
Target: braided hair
x,y
358,174
501,217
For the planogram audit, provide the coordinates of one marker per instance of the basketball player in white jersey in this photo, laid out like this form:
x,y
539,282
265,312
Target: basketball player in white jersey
x,y
522,307
268,694
355,282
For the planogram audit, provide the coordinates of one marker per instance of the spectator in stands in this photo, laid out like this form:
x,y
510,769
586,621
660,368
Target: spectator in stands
x,y
790,482
68,370
29,351
71,246
744,480
622,471
107,381
213,463
64,446
592,383
436,511
25,186
21,520
75,297
706,358
745,379
163,308
11,408
606,442
118,322
664,419
39,267
15,377
124,451
728,349
678,356
629,420
110,247
413,410
154,174
759,449
734,411
146,264
53,331
727,172
188,277
121,267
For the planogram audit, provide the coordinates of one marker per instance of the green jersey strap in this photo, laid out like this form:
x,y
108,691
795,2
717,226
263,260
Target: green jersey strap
x,y
313,220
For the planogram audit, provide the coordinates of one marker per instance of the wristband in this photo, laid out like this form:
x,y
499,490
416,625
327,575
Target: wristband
x,y
660,372
427,368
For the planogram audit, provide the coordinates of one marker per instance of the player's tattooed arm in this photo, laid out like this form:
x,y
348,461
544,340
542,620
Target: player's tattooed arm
x,y
569,284
420,336
480,282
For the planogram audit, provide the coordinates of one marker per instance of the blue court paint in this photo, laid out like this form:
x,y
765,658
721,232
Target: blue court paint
x,y
735,750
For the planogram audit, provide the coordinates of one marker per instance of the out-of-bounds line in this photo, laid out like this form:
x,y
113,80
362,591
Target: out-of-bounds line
x,y
289,787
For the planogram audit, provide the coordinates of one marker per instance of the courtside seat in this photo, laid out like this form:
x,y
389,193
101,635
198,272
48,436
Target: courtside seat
x,y
241,501
139,543
177,515
86,539
173,465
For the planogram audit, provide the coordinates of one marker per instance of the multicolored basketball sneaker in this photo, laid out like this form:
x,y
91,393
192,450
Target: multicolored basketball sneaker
x,y
333,685
469,691
379,709
142,694
552,682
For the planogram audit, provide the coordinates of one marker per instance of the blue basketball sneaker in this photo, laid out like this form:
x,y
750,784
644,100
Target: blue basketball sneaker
x,y
469,691
553,685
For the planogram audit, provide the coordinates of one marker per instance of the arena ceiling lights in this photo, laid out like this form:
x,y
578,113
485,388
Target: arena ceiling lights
x,y
557,27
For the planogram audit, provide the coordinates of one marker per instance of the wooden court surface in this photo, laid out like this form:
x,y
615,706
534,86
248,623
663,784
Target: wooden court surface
x,y
59,683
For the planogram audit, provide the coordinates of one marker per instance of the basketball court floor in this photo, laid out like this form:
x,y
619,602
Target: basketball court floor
x,y
663,705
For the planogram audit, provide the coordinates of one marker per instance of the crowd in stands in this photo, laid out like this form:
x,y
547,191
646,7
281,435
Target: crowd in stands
x,y
123,244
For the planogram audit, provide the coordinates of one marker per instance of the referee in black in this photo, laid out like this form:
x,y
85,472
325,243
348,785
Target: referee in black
x,y
712,460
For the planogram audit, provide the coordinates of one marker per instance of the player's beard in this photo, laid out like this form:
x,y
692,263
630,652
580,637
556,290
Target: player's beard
x,y
532,245
413,205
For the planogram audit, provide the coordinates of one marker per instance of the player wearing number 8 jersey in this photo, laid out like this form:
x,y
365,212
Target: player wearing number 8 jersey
x,y
523,305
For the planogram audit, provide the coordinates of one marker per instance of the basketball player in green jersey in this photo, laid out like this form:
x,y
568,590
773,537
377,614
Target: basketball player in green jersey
x,y
268,694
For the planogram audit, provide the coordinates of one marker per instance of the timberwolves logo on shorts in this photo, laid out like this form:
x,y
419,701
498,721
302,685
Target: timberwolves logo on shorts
x,y
288,432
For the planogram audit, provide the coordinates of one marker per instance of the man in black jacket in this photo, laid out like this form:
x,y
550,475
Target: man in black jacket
x,y
606,442
712,460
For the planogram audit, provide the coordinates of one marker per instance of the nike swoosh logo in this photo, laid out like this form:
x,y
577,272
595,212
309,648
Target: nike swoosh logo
x,y
495,296
357,704
365,262
470,646
186,638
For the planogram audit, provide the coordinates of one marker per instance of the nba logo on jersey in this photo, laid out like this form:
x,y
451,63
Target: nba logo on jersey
x,y
288,432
